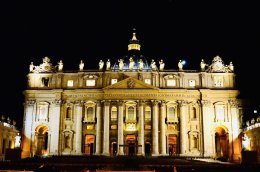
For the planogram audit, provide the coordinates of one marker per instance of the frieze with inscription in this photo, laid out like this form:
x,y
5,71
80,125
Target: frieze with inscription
x,y
129,95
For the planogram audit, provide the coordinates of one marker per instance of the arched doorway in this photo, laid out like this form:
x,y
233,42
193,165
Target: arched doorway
x,y
172,144
41,140
221,142
89,144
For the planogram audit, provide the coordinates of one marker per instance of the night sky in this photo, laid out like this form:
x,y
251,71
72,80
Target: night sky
x,y
167,29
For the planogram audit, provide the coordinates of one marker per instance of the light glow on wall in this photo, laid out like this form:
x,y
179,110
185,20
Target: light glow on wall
x,y
130,127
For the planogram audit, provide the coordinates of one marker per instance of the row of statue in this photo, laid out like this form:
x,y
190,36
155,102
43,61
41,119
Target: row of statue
x,y
141,66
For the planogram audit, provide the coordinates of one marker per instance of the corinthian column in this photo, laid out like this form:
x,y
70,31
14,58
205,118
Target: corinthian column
x,y
233,137
162,128
183,128
29,107
78,134
141,128
120,128
155,128
106,129
208,147
98,129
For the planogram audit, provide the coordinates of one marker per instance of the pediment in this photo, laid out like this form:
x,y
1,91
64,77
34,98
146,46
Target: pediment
x,y
131,83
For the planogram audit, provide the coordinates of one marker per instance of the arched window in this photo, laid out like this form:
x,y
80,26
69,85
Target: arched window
x,y
90,114
131,113
147,115
113,113
69,113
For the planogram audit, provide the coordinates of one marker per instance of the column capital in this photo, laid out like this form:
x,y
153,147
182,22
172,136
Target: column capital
x,y
233,103
141,102
30,102
182,103
106,102
155,102
79,102
57,102
120,103
205,102
163,103
98,102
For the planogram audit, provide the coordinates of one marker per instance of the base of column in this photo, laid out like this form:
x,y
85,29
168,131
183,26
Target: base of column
x,y
98,153
121,154
209,155
140,154
165,154
155,154
182,154
106,154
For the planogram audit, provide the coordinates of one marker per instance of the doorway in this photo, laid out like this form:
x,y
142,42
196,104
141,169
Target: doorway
x,y
147,148
131,144
113,148
41,138
172,144
221,142
89,144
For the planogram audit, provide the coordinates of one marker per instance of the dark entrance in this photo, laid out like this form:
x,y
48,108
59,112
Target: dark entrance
x,y
131,149
89,144
172,144
221,142
131,144
114,148
147,149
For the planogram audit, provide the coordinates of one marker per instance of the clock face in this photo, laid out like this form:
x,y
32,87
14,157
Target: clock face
x,y
47,67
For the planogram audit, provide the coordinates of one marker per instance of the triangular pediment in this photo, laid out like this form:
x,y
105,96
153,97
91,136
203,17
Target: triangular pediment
x,y
131,83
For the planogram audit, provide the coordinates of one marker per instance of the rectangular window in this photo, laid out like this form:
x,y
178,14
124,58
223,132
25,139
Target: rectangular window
x,y
45,82
171,82
192,83
91,82
113,81
147,81
113,113
70,83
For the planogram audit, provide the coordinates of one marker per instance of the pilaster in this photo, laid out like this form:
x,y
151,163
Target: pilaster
x,y
98,129
106,115
155,149
78,134
120,127
141,128
162,128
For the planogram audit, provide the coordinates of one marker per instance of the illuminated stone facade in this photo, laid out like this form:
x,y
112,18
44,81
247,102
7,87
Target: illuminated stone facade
x,y
251,137
132,108
8,136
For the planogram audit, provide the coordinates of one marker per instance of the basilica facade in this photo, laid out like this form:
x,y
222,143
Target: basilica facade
x,y
132,107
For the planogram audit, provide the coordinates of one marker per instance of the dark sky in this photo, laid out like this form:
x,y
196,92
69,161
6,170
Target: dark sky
x,y
167,29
